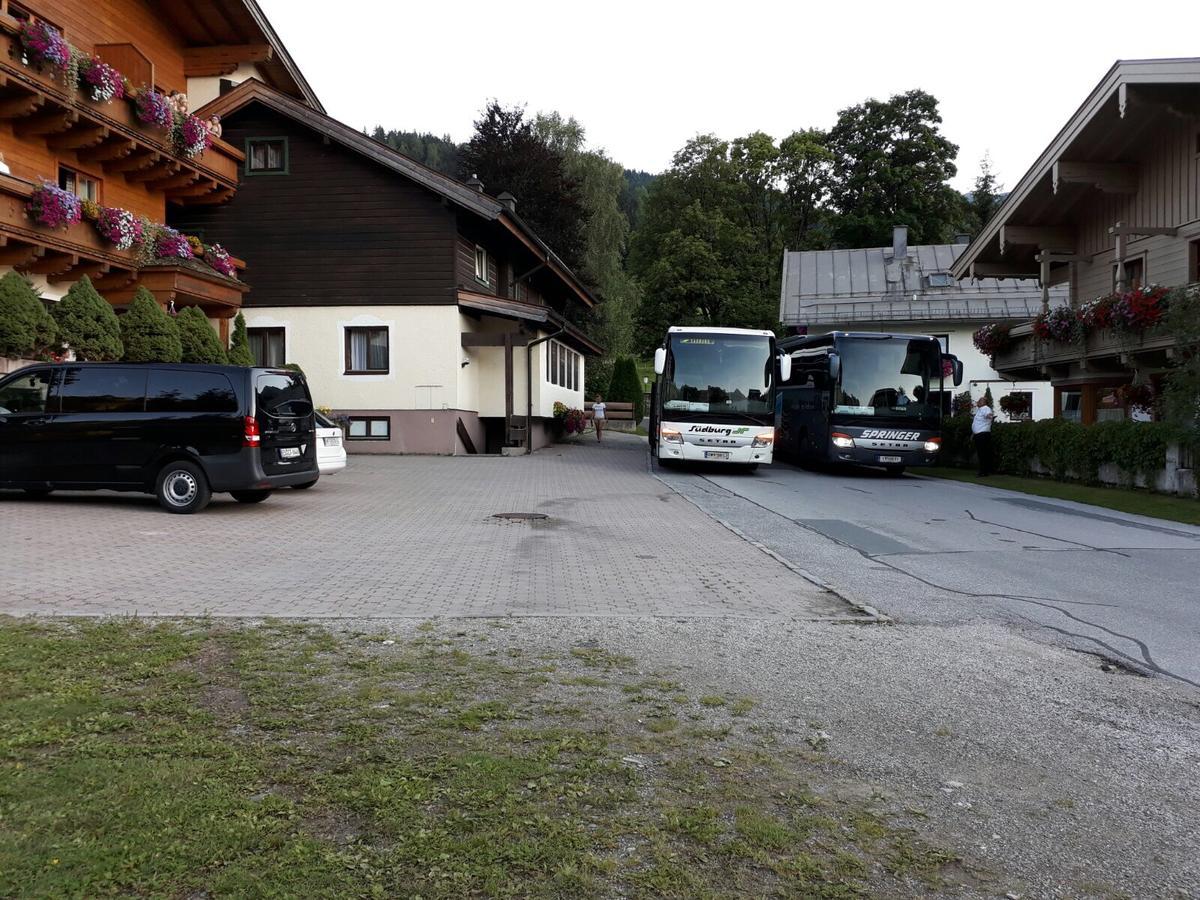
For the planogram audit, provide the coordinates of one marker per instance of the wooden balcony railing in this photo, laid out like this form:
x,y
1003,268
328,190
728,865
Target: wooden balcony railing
x,y
39,105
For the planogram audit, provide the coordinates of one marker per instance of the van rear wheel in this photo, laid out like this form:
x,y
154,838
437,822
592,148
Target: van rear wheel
x,y
182,488
250,496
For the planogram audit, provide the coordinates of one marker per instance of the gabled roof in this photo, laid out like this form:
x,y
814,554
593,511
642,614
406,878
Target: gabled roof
x,y
467,198
831,287
1109,97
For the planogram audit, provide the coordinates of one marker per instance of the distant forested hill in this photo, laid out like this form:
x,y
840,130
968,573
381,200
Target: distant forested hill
x,y
439,153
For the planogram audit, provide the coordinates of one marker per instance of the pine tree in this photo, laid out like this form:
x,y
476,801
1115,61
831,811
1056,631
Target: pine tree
x,y
198,339
239,347
626,387
26,329
149,334
985,198
87,324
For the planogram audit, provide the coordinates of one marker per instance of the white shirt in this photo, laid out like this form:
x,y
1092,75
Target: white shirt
x,y
598,410
983,420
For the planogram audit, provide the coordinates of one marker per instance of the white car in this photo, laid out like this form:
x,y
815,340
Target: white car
x,y
331,450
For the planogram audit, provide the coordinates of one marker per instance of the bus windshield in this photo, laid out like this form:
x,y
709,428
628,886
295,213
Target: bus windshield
x,y
719,373
889,379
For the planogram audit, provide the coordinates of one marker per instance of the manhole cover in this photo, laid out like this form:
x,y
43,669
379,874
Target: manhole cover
x,y
520,516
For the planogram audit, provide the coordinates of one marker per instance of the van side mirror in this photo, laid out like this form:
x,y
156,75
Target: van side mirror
x,y
660,360
956,367
785,368
835,366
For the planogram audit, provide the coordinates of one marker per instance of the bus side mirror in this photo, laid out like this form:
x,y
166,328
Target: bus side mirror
x,y
957,365
785,368
660,360
835,366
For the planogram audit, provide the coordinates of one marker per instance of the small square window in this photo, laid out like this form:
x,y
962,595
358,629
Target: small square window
x,y
939,279
83,186
944,340
370,428
367,350
1135,274
268,346
266,156
481,265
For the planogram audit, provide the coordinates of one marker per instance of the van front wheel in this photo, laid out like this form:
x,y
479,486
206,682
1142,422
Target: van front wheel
x,y
182,488
250,496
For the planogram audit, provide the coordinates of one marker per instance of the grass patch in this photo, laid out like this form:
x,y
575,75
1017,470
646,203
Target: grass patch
x,y
184,760
1126,500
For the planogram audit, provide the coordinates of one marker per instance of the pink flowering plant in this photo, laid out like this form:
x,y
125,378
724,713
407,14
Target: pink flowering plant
x,y
218,257
154,109
170,244
104,83
991,339
572,421
120,227
192,136
53,207
1060,324
45,43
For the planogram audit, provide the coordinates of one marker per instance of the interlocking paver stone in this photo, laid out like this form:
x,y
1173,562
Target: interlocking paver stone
x,y
404,536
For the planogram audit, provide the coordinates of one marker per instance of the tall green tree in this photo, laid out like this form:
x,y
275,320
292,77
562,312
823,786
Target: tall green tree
x,y
198,340
626,387
88,324
438,153
148,333
26,328
891,166
240,353
508,155
985,197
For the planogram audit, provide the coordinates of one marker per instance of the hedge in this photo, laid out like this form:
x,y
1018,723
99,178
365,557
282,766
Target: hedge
x,y
1070,451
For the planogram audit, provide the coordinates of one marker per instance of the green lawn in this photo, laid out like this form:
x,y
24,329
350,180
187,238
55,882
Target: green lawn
x,y
286,760
1142,503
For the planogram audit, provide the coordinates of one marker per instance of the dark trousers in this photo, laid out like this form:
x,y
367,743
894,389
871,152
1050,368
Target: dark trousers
x,y
983,451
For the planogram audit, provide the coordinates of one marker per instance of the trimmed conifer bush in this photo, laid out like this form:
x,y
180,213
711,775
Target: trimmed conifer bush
x,y
239,346
197,338
26,328
626,387
149,334
87,323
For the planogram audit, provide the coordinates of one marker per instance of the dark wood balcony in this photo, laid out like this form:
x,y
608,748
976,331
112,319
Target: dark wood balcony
x,y
40,106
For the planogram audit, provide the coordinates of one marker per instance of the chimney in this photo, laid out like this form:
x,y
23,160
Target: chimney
x,y
900,243
963,239
508,200
474,182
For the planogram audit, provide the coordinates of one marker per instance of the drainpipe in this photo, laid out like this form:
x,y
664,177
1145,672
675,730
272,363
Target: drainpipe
x,y
529,386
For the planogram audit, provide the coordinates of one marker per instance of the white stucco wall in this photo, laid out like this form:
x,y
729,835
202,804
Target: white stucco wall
x,y
202,90
978,375
546,394
47,290
423,347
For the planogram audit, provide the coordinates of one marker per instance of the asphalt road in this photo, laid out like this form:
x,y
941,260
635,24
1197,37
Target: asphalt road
x,y
933,551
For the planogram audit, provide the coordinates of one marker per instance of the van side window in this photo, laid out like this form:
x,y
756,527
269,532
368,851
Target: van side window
x,y
102,389
179,391
26,394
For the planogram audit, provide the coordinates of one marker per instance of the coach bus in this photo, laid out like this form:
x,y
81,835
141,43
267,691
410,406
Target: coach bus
x,y
865,398
714,395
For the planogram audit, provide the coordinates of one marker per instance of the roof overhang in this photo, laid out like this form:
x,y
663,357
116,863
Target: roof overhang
x,y
1095,148
550,321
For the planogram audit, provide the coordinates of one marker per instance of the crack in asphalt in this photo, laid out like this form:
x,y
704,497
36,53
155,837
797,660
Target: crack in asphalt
x,y
1049,603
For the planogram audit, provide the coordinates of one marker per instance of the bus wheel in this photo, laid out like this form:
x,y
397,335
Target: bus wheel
x,y
750,467
895,471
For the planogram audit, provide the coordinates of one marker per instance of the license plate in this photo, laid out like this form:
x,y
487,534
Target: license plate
x,y
891,459
716,454
332,441
289,452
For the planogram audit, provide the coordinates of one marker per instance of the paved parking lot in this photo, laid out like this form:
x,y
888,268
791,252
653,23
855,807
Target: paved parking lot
x,y
405,536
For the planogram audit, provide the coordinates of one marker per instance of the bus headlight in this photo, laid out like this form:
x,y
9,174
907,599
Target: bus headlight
x,y
842,441
670,435
933,445
766,439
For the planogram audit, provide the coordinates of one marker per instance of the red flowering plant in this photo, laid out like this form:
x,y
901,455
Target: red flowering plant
x,y
154,109
1134,310
104,83
170,244
120,227
45,43
218,257
1140,397
991,339
1015,405
53,207
572,421
192,136
1059,324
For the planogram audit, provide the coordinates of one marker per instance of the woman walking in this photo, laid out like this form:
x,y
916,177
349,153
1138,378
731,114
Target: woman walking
x,y
598,408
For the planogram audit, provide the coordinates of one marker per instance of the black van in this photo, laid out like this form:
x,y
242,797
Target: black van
x,y
177,431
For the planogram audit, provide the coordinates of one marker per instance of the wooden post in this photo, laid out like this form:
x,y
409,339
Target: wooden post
x,y
1120,251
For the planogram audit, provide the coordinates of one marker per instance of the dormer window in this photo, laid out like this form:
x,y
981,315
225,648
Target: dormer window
x,y
939,280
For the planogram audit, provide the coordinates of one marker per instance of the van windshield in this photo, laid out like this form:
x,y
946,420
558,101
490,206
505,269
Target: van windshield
x,y
282,396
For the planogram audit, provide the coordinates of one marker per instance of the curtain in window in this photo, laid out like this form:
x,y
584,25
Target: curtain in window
x,y
377,351
368,349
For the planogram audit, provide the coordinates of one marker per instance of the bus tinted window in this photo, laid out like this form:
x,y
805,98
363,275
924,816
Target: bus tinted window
x,y
180,391
890,377
102,389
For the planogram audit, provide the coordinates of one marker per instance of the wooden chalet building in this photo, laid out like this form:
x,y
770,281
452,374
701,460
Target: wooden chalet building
x,y
412,301
102,151
1111,205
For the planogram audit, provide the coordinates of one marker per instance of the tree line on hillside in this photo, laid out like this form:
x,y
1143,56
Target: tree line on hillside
x,y
702,242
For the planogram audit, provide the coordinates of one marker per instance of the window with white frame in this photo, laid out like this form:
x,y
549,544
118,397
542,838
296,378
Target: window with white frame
x,y
367,350
481,265
944,340
562,366
370,428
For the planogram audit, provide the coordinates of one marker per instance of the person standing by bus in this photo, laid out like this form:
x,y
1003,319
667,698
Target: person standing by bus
x,y
598,412
981,433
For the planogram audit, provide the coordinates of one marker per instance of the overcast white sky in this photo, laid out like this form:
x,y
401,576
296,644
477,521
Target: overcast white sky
x,y
645,76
